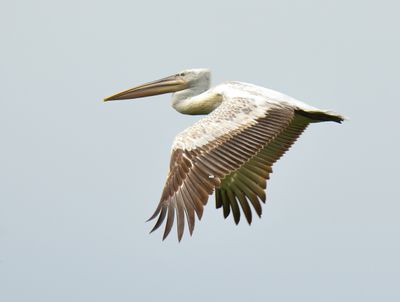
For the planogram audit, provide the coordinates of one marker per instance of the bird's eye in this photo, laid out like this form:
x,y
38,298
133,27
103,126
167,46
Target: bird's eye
x,y
182,74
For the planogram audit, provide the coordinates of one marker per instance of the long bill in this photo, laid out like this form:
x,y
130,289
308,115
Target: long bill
x,y
165,85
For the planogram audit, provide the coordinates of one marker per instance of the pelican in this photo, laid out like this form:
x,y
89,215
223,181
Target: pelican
x,y
230,151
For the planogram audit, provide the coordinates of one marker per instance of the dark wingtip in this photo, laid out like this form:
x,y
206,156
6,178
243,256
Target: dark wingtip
x,y
323,116
165,236
160,219
200,215
249,221
156,212
191,228
170,221
153,229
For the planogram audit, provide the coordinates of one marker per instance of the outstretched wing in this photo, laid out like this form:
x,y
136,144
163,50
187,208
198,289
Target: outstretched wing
x,y
205,155
248,183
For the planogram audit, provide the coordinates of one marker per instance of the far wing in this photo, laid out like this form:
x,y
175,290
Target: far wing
x,y
247,184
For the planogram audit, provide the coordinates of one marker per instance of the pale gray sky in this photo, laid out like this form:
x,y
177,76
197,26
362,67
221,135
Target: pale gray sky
x,y
79,177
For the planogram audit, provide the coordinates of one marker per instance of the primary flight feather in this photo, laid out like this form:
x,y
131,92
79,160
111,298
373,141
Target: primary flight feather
x,y
230,151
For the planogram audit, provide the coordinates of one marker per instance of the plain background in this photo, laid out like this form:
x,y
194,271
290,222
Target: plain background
x,y
79,177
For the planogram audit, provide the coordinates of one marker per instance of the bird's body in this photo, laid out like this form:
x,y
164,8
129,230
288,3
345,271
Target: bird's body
x,y
237,103
230,151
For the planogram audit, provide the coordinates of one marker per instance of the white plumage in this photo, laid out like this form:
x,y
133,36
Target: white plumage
x,y
231,150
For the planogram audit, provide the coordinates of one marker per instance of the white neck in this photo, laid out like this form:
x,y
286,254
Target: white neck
x,y
196,100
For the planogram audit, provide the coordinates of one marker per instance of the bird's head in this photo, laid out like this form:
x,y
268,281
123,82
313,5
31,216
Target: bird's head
x,y
190,78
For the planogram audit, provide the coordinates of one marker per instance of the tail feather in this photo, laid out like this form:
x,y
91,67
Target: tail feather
x,y
322,116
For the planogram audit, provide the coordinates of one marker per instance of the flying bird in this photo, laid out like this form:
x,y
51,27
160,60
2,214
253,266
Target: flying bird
x,y
230,151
